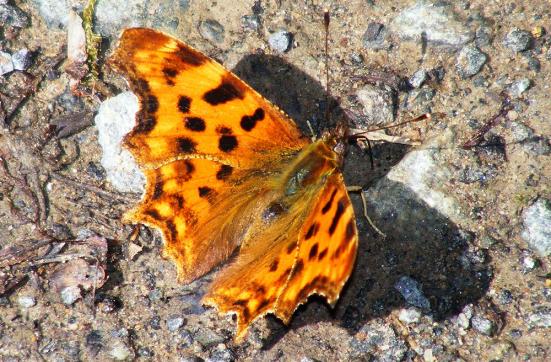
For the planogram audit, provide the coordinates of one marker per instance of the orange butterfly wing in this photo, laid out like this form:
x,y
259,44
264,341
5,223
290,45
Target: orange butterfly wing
x,y
314,255
225,168
197,128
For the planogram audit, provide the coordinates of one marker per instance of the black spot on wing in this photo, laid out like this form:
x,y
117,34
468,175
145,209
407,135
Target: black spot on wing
x,y
151,104
299,266
249,122
224,172
329,202
189,56
171,230
184,103
144,123
225,92
338,214
313,251
204,191
195,124
186,145
350,230
273,265
154,214
312,230
157,190
227,143
322,254
170,74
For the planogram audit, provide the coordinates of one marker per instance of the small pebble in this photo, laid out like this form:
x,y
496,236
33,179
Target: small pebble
x,y
505,297
212,30
13,16
469,61
537,227
418,78
250,22
22,59
280,41
518,40
520,86
541,318
483,325
409,315
69,295
6,63
412,293
519,131
375,36
155,323
378,104
120,351
174,322
483,36
464,318
538,31
145,352
186,339
26,301
529,263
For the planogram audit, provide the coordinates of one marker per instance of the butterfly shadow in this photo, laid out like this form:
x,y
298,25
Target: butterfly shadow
x,y
421,244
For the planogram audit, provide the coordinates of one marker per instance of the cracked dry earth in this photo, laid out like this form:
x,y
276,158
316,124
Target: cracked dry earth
x,y
463,273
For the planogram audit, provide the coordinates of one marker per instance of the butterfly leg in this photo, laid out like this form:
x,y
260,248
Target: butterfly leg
x,y
359,189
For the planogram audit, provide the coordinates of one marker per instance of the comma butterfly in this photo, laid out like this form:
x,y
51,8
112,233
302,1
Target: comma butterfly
x,y
227,170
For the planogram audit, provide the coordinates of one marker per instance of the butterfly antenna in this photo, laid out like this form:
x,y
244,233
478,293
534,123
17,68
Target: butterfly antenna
x,y
326,21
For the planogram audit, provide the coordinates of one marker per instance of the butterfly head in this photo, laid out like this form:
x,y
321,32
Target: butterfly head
x,y
336,137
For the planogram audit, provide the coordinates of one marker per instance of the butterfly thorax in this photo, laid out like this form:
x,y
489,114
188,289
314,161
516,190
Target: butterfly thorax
x,y
311,167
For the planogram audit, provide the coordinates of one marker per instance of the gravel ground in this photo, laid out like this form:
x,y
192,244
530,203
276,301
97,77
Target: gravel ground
x,y
464,271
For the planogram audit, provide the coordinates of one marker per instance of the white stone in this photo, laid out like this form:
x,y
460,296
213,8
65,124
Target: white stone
x,y
116,117
537,227
437,22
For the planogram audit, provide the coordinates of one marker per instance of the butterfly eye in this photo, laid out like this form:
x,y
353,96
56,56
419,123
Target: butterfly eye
x,y
273,211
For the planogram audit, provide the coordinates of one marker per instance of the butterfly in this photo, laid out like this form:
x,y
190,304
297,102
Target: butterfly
x,y
228,171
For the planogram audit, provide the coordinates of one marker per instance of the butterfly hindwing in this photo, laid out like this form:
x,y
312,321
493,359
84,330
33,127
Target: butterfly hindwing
x,y
327,244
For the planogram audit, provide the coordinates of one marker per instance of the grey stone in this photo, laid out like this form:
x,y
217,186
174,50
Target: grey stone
x,y
120,351
250,22
412,292
483,36
519,86
469,61
537,227
517,40
21,59
529,263
483,325
418,78
280,41
113,15
409,315
378,104
540,318
212,31
13,16
54,12
537,146
464,318
436,22
6,63
380,341
375,37
521,132
26,301
70,294
115,118
174,323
